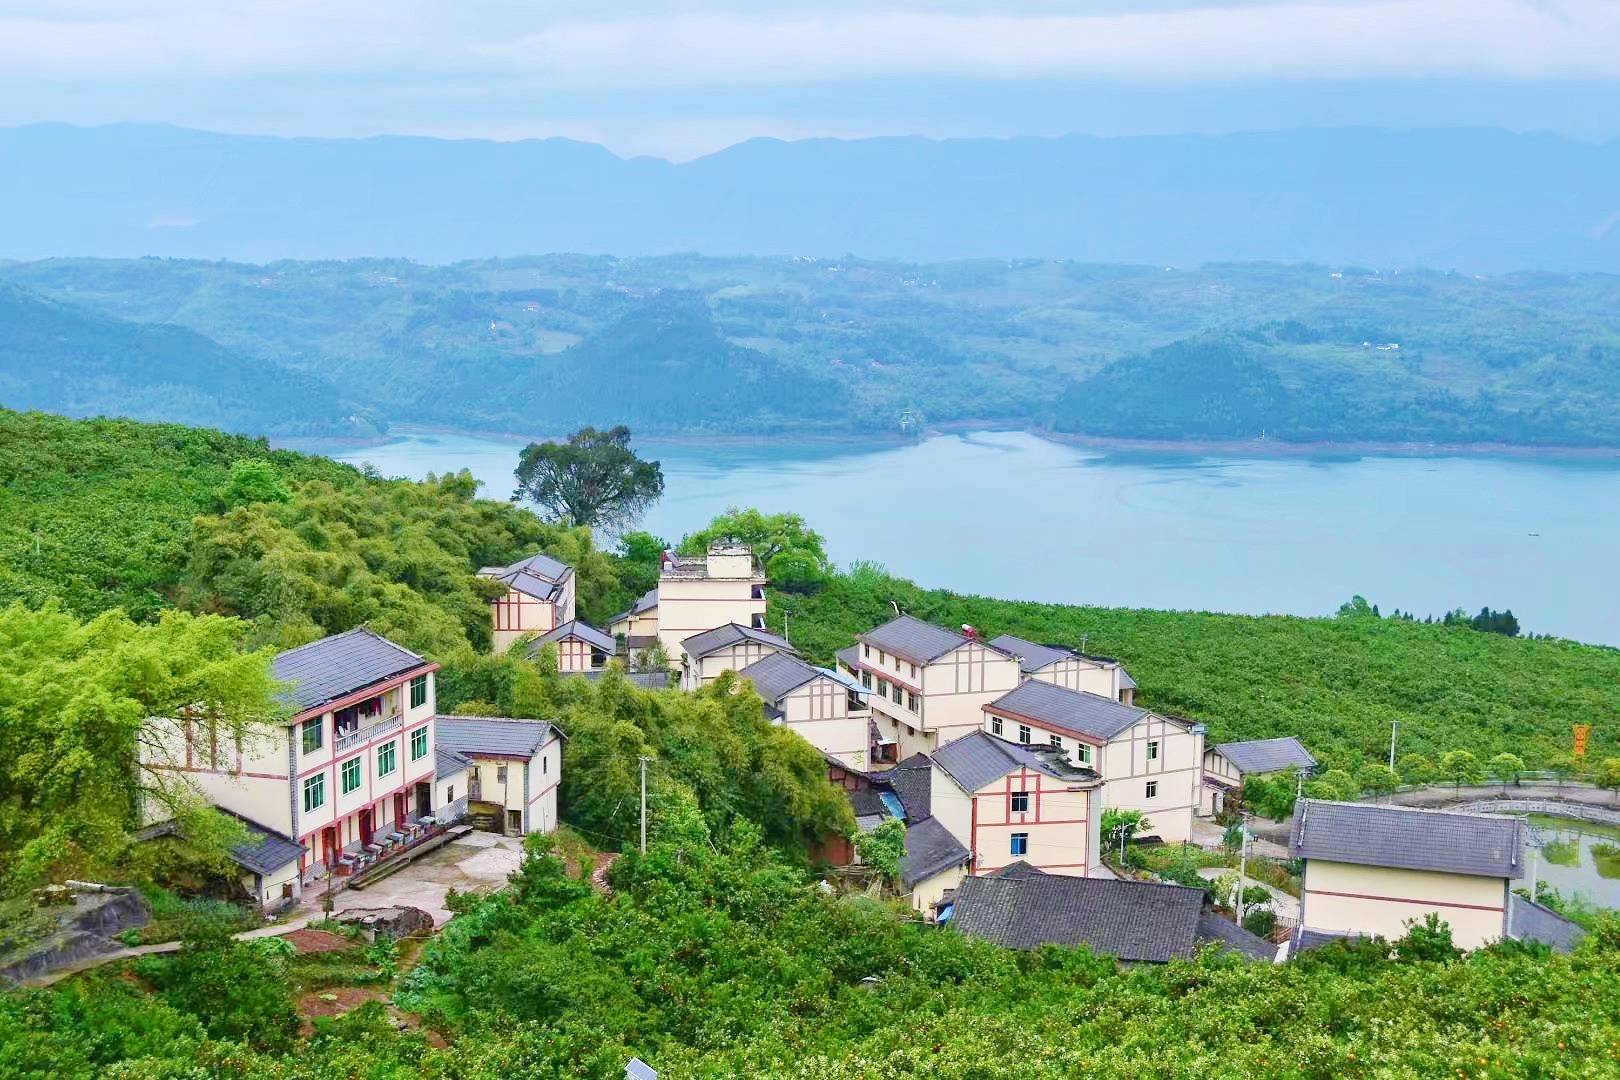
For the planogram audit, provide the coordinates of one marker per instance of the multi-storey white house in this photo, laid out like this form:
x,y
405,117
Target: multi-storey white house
x,y
731,647
1011,803
539,597
695,593
637,624
1067,668
1147,761
828,711
929,685
355,761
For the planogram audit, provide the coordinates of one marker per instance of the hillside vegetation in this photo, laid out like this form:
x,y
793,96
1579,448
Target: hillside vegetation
x,y
772,345
1336,683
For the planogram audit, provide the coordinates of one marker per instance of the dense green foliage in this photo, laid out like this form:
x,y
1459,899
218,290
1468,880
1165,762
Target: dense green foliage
x,y
74,705
84,363
1335,683
714,958
792,554
594,479
688,344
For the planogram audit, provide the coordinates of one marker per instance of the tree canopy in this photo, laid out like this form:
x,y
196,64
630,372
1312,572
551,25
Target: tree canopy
x,y
592,479
792,554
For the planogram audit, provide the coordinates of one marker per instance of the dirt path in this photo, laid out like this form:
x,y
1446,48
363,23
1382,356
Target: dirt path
x,y
161,947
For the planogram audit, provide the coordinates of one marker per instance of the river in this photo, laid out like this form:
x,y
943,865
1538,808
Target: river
x,y
1012,515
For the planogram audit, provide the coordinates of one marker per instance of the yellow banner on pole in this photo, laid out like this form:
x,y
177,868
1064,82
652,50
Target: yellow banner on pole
x,y
1583,732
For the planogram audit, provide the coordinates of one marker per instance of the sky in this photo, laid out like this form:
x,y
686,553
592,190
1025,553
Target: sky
x,y
683,79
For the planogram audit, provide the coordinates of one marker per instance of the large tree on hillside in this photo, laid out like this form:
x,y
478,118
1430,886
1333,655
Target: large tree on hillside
x,y
592,479
792,553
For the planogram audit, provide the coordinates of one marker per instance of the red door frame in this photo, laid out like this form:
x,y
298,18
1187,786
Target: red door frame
x,y
399,809
365,826
329,846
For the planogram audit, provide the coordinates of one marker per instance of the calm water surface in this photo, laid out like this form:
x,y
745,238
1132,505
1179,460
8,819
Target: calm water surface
x,y
1579,858
1011,515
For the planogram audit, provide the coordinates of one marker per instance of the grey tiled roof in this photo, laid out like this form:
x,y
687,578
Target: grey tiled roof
x,y
645,602
912,639
1266,755
978,758
647,680
539,575
1132,920
1032,657
1408,838
447,762
490,736
338,665
700,645
778,675
580,629
850,657
1212,927
265,851
1305,940
913,782
1125,680
930,849
1529,921
1073,711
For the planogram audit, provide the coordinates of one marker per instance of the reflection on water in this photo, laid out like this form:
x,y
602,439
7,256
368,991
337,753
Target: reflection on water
x,y
1007,514
1578,857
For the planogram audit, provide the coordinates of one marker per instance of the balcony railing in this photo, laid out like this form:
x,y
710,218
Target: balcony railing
x,y
361,735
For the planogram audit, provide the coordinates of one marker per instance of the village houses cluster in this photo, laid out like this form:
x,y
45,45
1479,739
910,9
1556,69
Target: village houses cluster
x,y
999,755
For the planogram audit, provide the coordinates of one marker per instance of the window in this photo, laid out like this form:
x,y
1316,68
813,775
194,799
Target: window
x,y
911,701
500,774
545,764
419,741
995,725
450,793
866,679
1023,734
314,792
866,652
419,691
349,775
1084,753
387,758
1020,802
314,732
899,694
1152,789
1020,843
1057,742
913,671
1153,750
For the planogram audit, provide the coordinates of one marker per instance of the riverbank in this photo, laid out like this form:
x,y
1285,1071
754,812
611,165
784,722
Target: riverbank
x,y
1258,448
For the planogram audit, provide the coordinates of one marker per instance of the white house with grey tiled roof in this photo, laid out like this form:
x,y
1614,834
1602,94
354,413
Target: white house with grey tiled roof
x,y
351,766
829,712
1374,870
1147,761
1226,765
540,595
580,647
695,593
1062,666
515,767
731,647
928,683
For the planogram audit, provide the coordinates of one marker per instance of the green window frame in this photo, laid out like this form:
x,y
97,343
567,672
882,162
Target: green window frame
x,y
314,792
349,775
419,691
419,744
387,758
314,734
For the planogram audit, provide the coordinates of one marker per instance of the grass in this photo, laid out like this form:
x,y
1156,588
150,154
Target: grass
x,y
1562,852
173,915
1606,857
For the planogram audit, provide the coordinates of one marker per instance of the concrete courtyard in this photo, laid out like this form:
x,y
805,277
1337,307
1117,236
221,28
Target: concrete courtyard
x,y
476,862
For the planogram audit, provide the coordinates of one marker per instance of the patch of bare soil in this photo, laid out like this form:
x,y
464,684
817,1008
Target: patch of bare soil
x,y
317,941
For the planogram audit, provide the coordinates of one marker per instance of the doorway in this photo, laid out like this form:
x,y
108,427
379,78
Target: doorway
x,y
514,823
365,826
424,798
329,846
399,809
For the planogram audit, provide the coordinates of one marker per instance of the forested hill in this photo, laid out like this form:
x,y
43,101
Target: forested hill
x,y
1477,199
83,363
685,344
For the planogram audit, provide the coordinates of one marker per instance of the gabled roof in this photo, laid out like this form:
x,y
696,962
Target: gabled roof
x,y
779,674
575,628
1076,712
912,639
850,657
491,736
913,782
339,665
447,762
539,575
647,680
1529,921
265,851
1266,755
1212,927
1032,657
930,849
1408,838
645,602
712,641
979,758
1132,920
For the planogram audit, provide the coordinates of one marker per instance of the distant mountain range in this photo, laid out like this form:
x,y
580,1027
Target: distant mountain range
x,y
1477,200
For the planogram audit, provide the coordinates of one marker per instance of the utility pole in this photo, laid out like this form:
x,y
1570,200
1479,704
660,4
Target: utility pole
x,y
1393,724
644,804
1243,867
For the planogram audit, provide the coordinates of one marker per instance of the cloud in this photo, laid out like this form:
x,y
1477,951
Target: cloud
x,y
573,45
